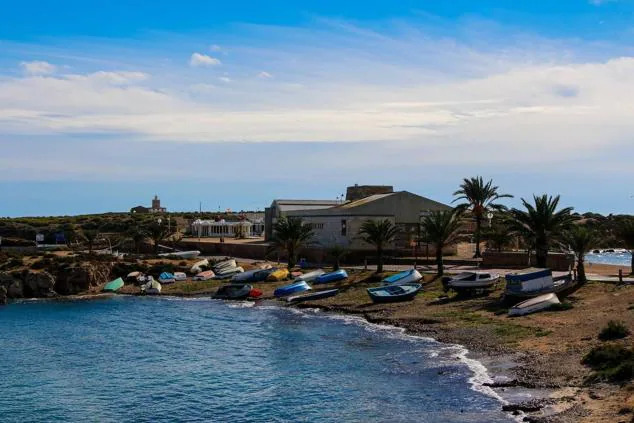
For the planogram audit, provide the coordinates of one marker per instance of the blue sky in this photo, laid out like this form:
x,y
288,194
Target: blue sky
x,y
232,105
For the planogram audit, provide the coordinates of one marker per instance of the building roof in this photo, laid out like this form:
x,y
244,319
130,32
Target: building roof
x,y
292,205
366,200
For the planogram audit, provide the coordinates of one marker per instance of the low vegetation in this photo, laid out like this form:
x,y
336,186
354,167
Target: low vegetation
x,y
611,363
614,330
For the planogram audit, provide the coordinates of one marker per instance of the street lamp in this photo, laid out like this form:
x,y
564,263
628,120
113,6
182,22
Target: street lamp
x,y
489,216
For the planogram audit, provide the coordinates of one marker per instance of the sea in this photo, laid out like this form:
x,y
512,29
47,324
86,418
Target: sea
x,y
618,259
162,359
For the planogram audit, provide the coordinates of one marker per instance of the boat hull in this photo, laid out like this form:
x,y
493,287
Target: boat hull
x,y
533,305
287,290
394,293
320,295
233,292
114,285
335,276
409,276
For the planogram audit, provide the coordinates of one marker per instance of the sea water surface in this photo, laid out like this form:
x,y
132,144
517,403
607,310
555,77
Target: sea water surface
x,y
166,359
617,259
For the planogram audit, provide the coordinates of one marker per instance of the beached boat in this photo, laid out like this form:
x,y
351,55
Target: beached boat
x,y
532,282
226,264
245,276
166,277
180,276
542,302
467,281
337,275
198,266
319,295
143,279
394,293
284,291
311,276
261,275
255,293
278,275
181,254
233,292
204,276
114,285
228,273
408,276
133,277
151,288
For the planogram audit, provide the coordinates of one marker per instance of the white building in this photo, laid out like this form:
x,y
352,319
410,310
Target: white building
x,y
224,229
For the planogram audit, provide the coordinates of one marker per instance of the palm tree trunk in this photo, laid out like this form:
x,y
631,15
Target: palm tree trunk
x,y
156,247
379,258
541,253
581,271
439,263
291,257
477,236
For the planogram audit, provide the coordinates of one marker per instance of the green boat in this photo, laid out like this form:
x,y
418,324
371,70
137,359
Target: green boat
x,y
113,286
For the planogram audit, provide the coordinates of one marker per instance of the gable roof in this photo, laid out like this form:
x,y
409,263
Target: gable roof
x,y
294,205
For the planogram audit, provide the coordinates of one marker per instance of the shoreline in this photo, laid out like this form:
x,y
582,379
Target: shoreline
x,y
532,362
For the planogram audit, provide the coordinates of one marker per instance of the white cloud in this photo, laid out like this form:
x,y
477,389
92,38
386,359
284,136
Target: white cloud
x,y
225,79
197,60
215,47
37,67
264,75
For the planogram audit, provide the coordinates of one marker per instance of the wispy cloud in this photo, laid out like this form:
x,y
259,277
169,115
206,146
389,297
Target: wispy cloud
x,y
37,67
600,2
417,95
198,59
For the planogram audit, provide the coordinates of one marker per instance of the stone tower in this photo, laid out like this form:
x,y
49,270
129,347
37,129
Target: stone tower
x,y
156,203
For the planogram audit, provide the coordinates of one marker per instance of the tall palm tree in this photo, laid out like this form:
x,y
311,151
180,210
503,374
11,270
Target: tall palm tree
x,y
380,233
441,228
498,236
580,239
541,223
290,235
625,233
157,232
480,198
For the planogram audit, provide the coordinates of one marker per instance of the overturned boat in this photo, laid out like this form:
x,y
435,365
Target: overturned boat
x,y
233,292
284,291
532,282
408,276
468,281
152,287
539,303
319,295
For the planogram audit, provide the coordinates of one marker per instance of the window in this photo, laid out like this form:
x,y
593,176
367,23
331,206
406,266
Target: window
x,y
344,228
315,225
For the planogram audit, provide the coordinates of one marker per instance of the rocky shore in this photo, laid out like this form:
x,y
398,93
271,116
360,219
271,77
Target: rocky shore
x,y
538,356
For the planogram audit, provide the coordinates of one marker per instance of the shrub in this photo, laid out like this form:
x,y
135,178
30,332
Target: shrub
x,y
611,362
614,330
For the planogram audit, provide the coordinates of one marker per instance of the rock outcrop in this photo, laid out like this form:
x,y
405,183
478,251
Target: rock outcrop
x,y
82,277
39,285
11,284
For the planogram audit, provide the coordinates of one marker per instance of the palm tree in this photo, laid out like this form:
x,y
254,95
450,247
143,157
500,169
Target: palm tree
x,y
90,236
580,239
441,228
480,198
290,235
541,223
337,252
380,233
157,232
137,234
498,236
625,233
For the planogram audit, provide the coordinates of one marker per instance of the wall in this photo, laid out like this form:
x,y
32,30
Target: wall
x,y
511,259
327,230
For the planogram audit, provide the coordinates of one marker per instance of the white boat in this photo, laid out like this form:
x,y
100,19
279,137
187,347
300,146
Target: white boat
x,y
224,265
311,276
197,267
542,302
151,287
181,254
472,280
143,279
226,274
615,251
408,276
533,282
180,276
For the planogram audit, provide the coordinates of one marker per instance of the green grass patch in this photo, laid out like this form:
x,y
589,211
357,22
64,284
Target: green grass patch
x,y
614,330
611,363
541,332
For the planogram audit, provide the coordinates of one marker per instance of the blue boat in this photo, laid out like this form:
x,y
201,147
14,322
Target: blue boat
x,y
299,286
261,275
394,293
408,276
166,277
337,275
319,295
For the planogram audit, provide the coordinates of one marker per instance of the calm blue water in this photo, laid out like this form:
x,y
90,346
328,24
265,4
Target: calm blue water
x,y
619,259
165,360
